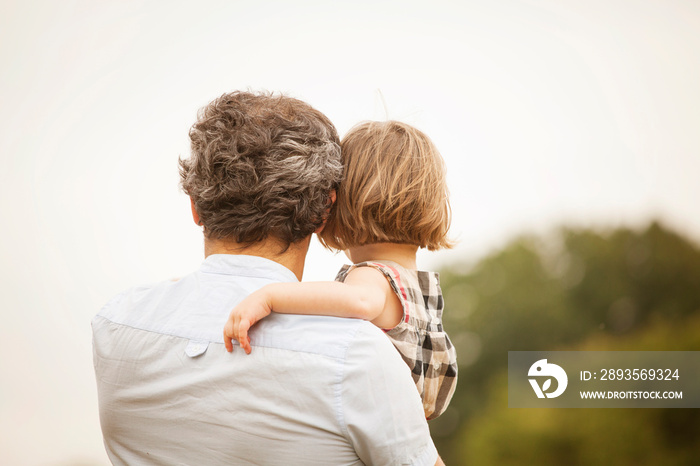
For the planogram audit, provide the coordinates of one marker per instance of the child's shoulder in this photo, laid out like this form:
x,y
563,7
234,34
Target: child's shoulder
x,y
390,269
408,284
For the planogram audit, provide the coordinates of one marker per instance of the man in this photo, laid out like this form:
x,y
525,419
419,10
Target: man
x,y
315,390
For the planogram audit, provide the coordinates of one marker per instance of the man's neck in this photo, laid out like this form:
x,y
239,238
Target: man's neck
x,y
271,248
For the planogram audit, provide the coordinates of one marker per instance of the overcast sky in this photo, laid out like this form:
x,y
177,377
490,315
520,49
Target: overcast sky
x,y
547,112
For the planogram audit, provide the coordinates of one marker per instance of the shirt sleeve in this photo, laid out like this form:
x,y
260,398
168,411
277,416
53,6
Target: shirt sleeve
x,y
381,409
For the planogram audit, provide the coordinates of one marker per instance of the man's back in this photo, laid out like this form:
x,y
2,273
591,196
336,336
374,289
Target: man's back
x,y
315,390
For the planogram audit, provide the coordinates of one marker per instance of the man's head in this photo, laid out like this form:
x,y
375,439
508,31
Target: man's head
x,y
262,166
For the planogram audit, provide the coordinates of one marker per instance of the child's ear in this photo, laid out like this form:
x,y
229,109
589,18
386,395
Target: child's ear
x,y
332,196
195,215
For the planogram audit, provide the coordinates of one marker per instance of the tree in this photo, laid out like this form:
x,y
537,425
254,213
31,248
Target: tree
x,y
573,289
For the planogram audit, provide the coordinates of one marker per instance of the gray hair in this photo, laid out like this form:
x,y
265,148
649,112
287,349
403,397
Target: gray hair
x,y
261,165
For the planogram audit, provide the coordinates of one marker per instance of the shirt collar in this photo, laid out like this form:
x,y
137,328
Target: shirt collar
x,y
247,266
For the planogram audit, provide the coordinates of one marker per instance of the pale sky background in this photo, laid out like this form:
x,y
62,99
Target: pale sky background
x,y
547,112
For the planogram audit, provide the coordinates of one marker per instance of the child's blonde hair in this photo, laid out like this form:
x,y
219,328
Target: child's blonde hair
x,y
393,190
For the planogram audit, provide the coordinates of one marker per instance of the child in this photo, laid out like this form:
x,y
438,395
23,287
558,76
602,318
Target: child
x,y
393,200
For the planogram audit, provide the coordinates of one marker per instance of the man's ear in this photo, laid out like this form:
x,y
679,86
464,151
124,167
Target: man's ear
x,y
195,215
332,195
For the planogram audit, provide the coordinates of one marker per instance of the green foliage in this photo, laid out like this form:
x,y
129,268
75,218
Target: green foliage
x,y
573,290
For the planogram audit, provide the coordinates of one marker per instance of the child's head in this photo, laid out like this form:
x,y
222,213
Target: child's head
x,y
393,190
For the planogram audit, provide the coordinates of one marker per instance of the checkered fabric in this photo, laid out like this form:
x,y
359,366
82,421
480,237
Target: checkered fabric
x,y
419,337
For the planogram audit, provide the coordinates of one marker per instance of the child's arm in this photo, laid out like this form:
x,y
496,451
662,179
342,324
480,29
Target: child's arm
x,y
365,294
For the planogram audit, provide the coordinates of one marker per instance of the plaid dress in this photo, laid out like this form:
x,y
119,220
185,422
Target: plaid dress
x,y
419,337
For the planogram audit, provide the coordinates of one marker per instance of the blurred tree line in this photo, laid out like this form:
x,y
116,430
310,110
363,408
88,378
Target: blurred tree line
x,y
568,291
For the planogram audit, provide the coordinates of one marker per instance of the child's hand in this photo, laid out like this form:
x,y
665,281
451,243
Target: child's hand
x,y
254,307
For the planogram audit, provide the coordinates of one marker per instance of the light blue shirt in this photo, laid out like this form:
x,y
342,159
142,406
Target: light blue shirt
x,y
314,390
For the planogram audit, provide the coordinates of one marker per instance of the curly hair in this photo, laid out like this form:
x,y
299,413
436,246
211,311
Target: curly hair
x,y
261,165
394,190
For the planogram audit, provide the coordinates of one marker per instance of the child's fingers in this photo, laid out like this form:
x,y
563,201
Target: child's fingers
x,y
243,339
246,347
228,333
